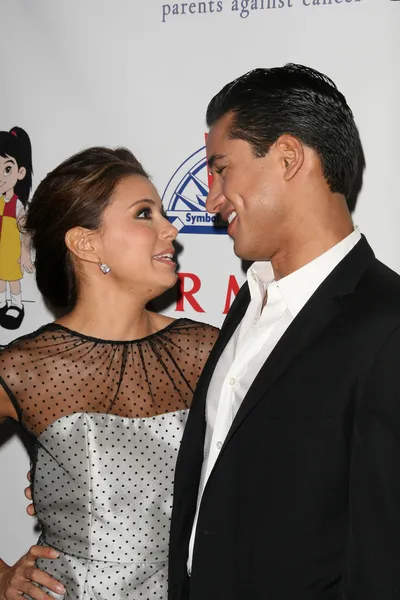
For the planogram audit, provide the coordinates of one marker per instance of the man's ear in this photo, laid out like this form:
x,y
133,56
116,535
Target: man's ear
x,y
290,154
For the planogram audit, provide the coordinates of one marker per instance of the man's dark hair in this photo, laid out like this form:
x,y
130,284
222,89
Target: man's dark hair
x,y
296,100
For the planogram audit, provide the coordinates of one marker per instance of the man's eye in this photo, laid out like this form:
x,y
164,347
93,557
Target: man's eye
x,y
7,170
219,171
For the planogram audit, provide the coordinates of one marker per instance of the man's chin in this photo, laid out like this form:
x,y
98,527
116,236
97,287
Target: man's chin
x,y
247,254
242,253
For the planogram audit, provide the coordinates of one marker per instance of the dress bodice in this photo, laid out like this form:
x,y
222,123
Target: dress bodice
x,y
105,420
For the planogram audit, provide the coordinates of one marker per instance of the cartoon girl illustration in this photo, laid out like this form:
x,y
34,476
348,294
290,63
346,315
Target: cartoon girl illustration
x,y
15,185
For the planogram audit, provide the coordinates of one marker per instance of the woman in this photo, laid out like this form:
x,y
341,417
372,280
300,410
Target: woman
x,y
101,394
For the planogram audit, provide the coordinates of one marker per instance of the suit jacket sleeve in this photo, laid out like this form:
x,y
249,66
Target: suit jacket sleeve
x,y
373,567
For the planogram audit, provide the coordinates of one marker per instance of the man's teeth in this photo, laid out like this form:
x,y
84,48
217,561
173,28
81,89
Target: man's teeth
x,y
231,217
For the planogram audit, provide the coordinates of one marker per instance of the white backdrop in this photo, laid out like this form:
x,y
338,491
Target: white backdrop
x,y
140,73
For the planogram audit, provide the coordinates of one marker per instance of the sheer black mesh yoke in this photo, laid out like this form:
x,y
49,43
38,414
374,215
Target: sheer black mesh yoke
x,y
56,372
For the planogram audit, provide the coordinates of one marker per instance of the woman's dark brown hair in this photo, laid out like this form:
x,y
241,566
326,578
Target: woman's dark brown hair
x,y
75,194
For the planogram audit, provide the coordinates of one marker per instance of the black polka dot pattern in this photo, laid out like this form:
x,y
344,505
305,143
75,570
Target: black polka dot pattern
x,y
108,418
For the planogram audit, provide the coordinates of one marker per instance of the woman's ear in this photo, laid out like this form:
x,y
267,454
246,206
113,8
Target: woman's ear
x,y
82,243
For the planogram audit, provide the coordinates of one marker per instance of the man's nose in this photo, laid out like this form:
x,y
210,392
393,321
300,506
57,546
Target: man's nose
x,y
215,197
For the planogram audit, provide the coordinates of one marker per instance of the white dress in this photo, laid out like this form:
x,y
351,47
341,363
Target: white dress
x,y
104,420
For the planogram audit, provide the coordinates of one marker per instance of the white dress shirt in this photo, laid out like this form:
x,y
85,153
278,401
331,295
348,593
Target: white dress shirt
x,y
252,343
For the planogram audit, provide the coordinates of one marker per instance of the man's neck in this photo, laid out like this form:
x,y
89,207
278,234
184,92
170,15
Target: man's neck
x,y
300,252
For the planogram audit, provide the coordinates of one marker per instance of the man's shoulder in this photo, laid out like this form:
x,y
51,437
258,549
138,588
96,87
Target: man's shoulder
x,y
378,295
382,280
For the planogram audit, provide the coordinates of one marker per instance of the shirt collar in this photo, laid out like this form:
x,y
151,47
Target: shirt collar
x,y
298,287
259,276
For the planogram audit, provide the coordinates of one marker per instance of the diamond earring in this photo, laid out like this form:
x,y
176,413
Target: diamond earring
x,y
104,268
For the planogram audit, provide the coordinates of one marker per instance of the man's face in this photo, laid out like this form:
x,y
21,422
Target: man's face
x,y
247,191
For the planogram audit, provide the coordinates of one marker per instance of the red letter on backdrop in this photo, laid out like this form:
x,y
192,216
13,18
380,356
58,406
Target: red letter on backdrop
x,y
188,294
233,288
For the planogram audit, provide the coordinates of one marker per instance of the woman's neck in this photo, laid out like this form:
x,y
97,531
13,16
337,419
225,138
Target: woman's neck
x,y
115,317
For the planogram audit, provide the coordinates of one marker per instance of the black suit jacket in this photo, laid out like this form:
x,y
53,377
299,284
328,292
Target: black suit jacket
x,y
304,499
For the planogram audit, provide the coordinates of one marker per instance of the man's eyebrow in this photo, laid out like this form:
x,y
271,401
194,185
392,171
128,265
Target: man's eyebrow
x,y
213,158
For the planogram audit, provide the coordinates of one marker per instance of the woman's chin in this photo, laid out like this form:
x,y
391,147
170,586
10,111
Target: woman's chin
x,y
163,286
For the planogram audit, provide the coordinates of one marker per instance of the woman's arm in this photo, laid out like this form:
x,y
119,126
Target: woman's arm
x,y
20,578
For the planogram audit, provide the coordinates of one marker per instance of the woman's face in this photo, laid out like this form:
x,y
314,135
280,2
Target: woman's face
x,y
136,240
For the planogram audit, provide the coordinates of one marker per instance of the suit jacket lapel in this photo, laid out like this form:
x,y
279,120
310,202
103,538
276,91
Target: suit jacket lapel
x,y
228,328
325,304
297,337
190,456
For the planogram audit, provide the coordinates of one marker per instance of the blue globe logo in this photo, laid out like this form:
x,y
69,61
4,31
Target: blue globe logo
x,y
185,197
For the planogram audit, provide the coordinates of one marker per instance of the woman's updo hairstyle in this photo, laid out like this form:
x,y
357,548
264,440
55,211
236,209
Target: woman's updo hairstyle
x,y
75,194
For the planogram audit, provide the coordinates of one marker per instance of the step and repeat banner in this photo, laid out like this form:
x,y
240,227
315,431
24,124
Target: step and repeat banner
x,y
139,73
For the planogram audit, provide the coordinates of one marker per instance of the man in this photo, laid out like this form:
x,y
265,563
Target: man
x,y
287,484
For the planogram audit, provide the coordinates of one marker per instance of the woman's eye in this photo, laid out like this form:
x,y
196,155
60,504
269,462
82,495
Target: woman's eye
x,y
145,213
219,171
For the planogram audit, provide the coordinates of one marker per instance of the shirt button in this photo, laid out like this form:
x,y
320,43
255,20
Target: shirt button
x,y
232,381
219,445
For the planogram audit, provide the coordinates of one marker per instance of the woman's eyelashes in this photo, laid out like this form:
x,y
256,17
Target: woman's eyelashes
x,y
144,213
149,212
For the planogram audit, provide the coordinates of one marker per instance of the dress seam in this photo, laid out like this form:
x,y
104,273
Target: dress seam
x,y
90,506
